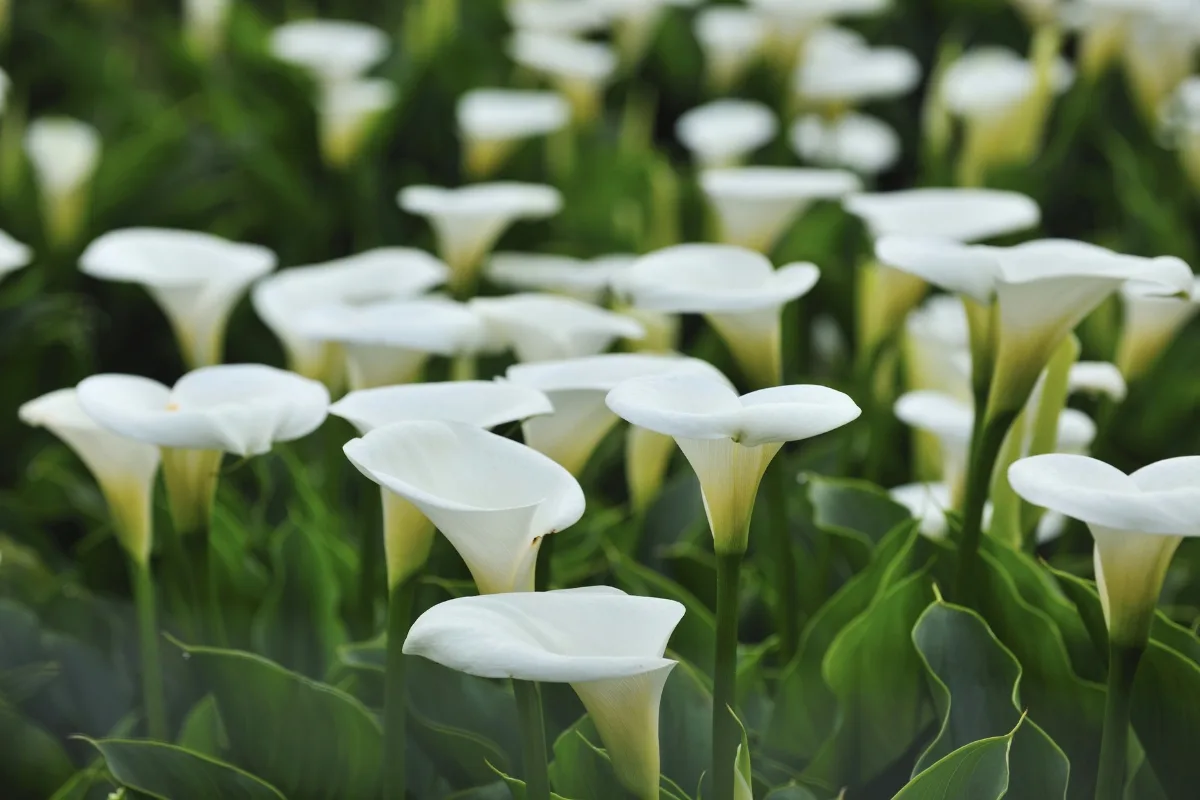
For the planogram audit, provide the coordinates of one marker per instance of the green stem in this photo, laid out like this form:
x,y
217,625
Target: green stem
x,y
370,553
208,579
786,591
1122,667
533,740
726,734
152,680
986,441
395,739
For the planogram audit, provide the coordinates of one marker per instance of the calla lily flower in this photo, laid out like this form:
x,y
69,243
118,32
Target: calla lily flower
x,y
569,18
858,142
1137,522
577,388
545,327
124,468
492,122
204,24
1151,322
929,502
586,280
729,440
737,290
790,22
608,645
385,273
635,22
755,205
1180,122
13,254
722,133
468,221
937,350
1158,53
841,71
1024,300
408,534
731,38
1096,377
579,69
331,51
347,111
196,278
493,498
64,153
387,343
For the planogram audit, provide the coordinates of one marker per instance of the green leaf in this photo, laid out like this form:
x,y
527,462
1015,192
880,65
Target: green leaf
x,y
854,507
977,771
176,773
32,761
1166,696
581,768
517,787
202,731
793,791
743,775
975,683
685,725
309,739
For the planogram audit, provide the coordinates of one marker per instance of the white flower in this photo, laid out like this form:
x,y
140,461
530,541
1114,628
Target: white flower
x,y
347,111
791,21
467,221
839,71
988,82
204,23
1096,377
64,153
858,142
635,22
1137,522
729,440
567,17
755,205
1036,292
1150,323
586,280
545,327
961,215
1180,122
388,343
577,388
385,273
330,50
1159,51
731,38
608,645
196,278
580,69
722,133
737,290
124,468
13,254
947,418
937,354
493,498
491,122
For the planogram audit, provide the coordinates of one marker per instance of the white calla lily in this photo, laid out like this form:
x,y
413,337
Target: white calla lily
x,y
1097,377
792,22
546,327
347,112
196,278
1180,122
1137,522
928,504
865,144
937,350
1158,52
755,205
1150,324
204,23
635,22
123,468
467,221
608,645
583,279
330,50
950,420
729,440
731,37
389,342
492,122
579,69
838,72
13,254
493,498
64,154
723,132
385,273
737,290
564,17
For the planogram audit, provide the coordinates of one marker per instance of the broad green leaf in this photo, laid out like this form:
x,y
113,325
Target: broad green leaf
x,y
743,775
685,725
580,768
792,791
517,787
976,683
854,506
201,731
1166,697
977,771
32,762
175,773
309,739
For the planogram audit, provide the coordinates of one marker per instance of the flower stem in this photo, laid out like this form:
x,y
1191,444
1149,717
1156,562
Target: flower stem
x,y
533,740
787,592
370,553
1122,667
726,735
152,680
212,592
986,441
395,738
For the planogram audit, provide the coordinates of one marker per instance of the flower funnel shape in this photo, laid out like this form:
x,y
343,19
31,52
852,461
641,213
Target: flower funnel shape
x,y
1149,325
731,38
608,645
722,133
580,69
64,154
546,327
493,498
492,122
330,50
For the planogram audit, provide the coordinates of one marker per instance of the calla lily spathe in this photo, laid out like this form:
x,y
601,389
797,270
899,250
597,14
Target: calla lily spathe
x,y
124,468
492,122
791,22
572,18
755,205
1181,126
578,68
584,279
493,498
937,347
737,290
729,440
546,327
13,254
330,51
731,37
64,154
281,300
1158,52
841,70
347,112
467,221
196,278
1097,378
204,23
858,142
722,133
1149,325
1137,522
608,645
389,342
635,22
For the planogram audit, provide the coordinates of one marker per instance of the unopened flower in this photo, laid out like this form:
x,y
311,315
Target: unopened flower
x,y
64,153
579,69
857,142
722,133
492,122
196,278
731,37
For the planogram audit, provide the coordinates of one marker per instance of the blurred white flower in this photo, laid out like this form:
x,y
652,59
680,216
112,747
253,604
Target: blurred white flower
x,y
579,69
5,83
546,327
839,70
196,278
1096,377
754,206
1180,122
467,221
731,37
937,354
204,23
1159,52
608,645
385,273
723,132
492,122
13,254
566,17
790,22
64,153
331,51
635,22
1150,324
493,498
857,142
583,279
347,112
